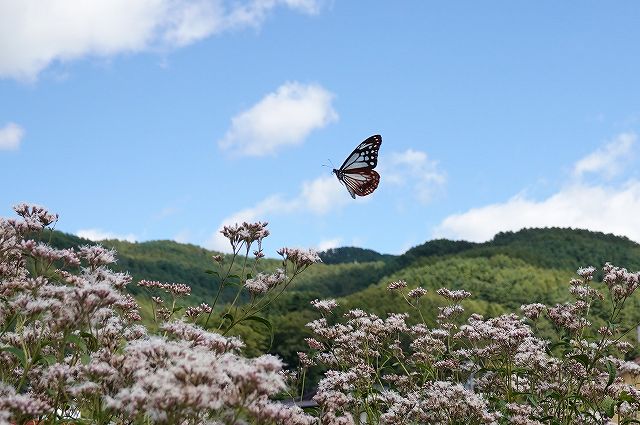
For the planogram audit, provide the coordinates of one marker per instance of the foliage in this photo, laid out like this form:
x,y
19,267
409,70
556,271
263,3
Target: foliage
x,y
559,248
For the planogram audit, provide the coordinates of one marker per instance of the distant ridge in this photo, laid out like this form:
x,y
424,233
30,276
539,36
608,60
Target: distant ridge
x,y
551,247
350,269
351,254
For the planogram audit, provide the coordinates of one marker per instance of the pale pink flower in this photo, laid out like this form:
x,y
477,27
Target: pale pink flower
x,y
245,233
175,289
19,405
301,258
305,360
398,284
97,255
264,282
326,306
448,311
314,344
456,296
533,311
199,337
417,293
35,217
586,272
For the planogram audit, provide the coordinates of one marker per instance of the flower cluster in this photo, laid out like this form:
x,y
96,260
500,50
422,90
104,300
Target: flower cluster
x,y
484,370
325,306
264,282
175,289
34,217
262,288
72,347
246,234
398,284
621,283
195,311
300,258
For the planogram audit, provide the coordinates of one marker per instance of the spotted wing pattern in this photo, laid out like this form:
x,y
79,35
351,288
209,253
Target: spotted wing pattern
x,y
357,172
365,155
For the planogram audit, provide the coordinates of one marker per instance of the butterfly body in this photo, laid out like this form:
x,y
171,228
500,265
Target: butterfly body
x,y
357,172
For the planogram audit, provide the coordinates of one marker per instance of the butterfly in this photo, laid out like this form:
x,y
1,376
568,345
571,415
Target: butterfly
x,y
357,173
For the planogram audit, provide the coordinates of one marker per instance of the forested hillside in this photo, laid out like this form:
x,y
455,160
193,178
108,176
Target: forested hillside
x,y
352,255
348,270
515,268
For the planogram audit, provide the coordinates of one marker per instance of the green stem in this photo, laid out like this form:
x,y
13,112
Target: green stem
x,y
242,277
222,282
304,375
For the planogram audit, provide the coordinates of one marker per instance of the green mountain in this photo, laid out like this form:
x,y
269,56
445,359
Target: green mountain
x,y
349,270
169,261
514,268
549,247
352,255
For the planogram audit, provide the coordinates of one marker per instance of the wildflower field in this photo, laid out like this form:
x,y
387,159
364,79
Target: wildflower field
x,y
82,342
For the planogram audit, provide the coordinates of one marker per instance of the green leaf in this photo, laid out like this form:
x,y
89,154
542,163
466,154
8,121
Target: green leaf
x,y
581,358
264,322
16,352
532,400
612,373
212,272
48,360
78,341
227,316
625,396
45,360
610,411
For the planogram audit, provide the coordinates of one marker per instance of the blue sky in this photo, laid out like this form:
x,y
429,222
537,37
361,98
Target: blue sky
x,y
166,119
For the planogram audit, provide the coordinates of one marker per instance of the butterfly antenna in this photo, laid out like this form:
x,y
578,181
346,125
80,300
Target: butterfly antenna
x,y
325,165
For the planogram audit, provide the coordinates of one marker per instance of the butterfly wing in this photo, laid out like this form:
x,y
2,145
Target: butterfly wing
x,y
365,155
357,172
360,183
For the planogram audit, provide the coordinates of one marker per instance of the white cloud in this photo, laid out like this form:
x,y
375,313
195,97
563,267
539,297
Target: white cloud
x,y
329,243
282,118
609,160
322,195
35,33
11,136
194,20
101,235
593,206
598,208
414,169
317,197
